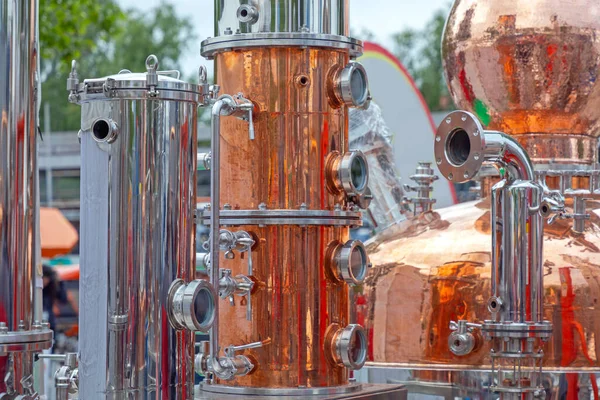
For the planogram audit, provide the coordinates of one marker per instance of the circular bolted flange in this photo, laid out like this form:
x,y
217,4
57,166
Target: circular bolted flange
x,y
459,146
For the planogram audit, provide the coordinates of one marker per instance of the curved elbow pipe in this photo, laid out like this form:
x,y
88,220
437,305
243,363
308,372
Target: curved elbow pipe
x,y
462,146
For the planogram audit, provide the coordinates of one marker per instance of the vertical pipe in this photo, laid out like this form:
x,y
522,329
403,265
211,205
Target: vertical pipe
x,y
215,189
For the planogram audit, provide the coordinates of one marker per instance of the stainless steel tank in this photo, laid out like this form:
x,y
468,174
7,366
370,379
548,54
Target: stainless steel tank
x,y
139,302
20,335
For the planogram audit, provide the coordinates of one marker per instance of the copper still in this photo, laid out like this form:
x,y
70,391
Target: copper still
x,y
285,189
529,69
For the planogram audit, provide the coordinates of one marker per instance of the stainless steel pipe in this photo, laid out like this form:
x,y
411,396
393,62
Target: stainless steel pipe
x,y
518,206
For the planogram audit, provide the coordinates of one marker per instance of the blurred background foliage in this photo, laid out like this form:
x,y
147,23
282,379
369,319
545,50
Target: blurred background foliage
x,y
103,39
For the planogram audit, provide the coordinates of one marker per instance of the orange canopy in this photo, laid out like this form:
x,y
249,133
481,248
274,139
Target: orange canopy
x,y
57,234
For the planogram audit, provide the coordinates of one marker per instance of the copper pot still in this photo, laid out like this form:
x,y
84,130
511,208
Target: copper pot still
x,y
529,69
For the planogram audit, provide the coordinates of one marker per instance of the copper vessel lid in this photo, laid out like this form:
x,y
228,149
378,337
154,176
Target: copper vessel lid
x,y
528,67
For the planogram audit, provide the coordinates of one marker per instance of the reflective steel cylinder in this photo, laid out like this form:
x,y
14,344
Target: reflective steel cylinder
x,y
289,186
257,16
138,188
18,189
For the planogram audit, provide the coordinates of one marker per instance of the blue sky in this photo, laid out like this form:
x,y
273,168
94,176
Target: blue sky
x,y
383,17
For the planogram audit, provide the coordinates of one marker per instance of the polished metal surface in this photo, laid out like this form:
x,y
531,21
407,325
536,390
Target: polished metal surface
x,y
19,87
518,205
528,68
424,177
473,383
269,167
362,392
291,16
145,183
212,46
302,216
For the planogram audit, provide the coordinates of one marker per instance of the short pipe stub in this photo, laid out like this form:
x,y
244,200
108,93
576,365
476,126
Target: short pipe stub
x,y
104,130
459,146
350,347
247,14
192,306
351,262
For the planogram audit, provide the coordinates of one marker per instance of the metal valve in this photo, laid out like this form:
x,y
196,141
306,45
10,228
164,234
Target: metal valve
x,y
239,285
246,108
66,379
553,206
462,341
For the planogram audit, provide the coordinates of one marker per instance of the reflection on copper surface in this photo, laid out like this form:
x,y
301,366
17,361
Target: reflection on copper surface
x,y
295,301
529,67
413,280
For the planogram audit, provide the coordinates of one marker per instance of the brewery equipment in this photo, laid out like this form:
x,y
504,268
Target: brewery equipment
x,y
526,68
21,334
286,188
139,302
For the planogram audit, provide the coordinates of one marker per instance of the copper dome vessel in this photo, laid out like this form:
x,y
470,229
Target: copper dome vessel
x,y
528,68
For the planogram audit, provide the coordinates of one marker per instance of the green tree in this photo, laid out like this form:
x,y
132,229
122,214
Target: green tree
x,y
67,27
105,50
420,52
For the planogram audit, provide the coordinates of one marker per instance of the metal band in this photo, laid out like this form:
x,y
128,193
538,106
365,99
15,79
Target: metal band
x,y
517,330
34,340
212,46
283,217
253,391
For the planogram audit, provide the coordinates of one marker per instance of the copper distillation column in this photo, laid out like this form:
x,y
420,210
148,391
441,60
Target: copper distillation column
x,y
285,190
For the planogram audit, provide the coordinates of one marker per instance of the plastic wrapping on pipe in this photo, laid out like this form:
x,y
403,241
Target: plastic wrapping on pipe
x,y
370,134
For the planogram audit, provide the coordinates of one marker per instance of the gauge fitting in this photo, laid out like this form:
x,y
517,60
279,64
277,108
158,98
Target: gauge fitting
x,y
349,262
349,347
351,86
192,306
348,173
